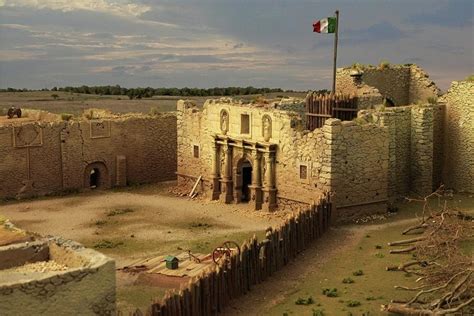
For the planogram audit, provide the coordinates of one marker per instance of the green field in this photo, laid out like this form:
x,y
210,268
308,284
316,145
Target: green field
x,y
75,103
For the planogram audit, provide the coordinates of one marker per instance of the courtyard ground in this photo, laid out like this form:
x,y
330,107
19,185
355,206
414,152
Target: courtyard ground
x,y
138,222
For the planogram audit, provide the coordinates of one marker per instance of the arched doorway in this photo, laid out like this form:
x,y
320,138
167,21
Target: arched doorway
x,y
246,180
243,179
96,176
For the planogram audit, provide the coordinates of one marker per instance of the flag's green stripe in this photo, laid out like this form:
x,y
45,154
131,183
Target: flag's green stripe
x,y
331,25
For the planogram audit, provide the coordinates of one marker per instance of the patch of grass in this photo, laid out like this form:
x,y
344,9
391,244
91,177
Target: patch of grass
x,y
384,64
378,247
348,281
107,244
318,312
100,222
154,111
358,273
200,225
379,255
304,301
120,211
432,100
352,303
131,297
66,116
370,298
330,292
470,78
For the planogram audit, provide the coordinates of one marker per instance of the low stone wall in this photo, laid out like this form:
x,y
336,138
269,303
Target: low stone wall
x,y
86,287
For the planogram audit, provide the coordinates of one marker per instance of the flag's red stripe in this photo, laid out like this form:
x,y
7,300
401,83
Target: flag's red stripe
x,y
317,27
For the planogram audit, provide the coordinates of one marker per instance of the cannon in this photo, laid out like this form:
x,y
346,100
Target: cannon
x,y
14,111
225,251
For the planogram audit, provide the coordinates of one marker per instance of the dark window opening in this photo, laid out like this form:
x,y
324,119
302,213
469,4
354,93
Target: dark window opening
x,y
388,103
196,151
246,181
303,172
245,124
94,178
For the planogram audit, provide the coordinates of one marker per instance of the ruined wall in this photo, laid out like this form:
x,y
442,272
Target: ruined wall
x,y
359,157
42,158
422,88
398,123
30,159
415,142
401,84
87,287
458,172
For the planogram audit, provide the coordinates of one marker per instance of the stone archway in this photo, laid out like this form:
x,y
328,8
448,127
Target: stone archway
x,y
96,176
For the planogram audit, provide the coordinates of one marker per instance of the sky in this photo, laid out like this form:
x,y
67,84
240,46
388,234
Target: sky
x,y
208,43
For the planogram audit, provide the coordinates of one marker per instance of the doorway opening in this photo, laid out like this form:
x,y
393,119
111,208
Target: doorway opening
x,y
94,178
246,181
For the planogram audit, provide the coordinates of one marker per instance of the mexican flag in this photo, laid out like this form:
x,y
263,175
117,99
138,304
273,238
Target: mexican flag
x,y
327,25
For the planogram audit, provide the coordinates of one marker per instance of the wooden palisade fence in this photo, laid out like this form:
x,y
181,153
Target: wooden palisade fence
x,y
209,293
320,107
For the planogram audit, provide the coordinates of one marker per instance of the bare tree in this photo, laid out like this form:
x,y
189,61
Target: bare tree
x,y
445,272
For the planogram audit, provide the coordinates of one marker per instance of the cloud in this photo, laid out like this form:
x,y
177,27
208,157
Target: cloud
x,y
454,13
121,8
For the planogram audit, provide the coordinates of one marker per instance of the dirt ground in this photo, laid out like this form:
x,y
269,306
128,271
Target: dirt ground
x,y
136,223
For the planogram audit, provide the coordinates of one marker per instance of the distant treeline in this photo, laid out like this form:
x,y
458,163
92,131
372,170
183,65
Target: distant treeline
x,y
138,93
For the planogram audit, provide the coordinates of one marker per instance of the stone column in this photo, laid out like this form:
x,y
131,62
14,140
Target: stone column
x,y
227,174
256,187
216,188
269,191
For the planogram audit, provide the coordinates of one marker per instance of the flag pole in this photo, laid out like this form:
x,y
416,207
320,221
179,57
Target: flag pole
x,y
335,53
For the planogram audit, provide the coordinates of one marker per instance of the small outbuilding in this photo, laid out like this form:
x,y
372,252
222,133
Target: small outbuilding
x,y
171,262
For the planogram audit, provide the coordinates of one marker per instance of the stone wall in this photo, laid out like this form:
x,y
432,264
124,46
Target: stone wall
x,y
421,171
398,122
349,159
359,155
458,172
43,158
87,287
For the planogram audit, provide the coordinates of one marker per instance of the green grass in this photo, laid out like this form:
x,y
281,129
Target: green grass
x,y
120,211
131,297
371,288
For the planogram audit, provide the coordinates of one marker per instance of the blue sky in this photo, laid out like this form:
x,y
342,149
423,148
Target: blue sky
x,y
204,43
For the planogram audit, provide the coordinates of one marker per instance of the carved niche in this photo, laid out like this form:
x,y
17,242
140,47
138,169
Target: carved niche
x,y
266,127
224,122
